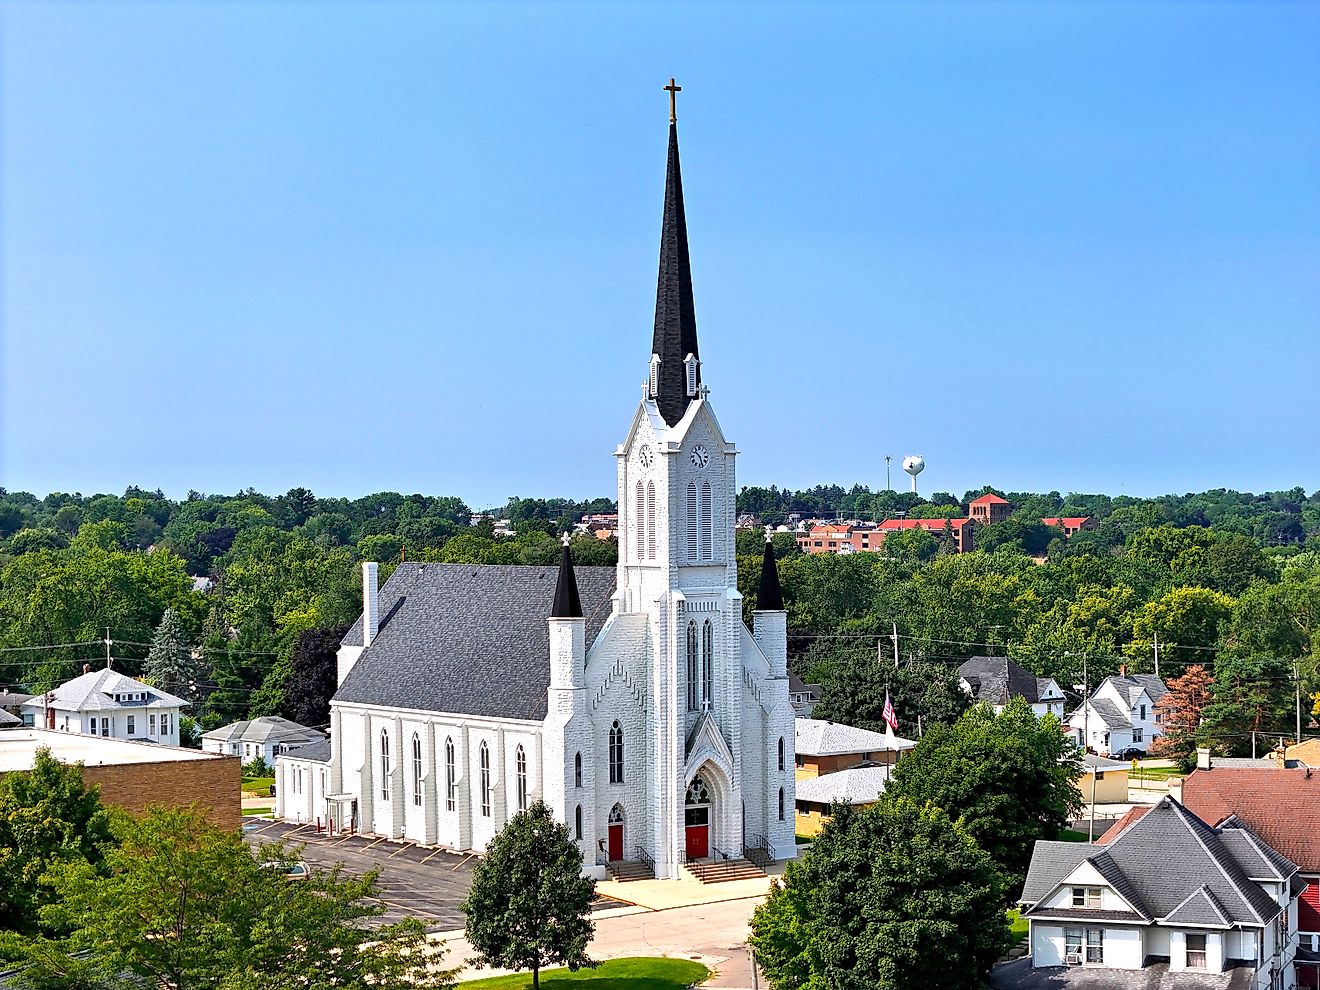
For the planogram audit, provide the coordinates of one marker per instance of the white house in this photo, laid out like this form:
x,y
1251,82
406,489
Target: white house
x,y
1167,894
1119,714
266,737
633,700
107,703
994,680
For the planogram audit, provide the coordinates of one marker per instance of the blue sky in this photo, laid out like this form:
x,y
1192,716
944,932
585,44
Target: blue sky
x,y
364,247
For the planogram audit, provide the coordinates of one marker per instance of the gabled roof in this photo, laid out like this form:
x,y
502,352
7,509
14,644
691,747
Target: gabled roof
x,y
1199,908
1109,713
855,785
1281,806
317,752
95,692
1130,687
816,737
994,680
472,639
7,719
989,498
266,728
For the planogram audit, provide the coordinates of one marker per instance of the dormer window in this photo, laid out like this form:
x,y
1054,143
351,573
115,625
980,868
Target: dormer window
x,y
690,364
654,387
1086,897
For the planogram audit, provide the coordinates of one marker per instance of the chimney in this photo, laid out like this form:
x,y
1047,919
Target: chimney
x,y
1203,758
1176,789
87,668
1122,670
370,603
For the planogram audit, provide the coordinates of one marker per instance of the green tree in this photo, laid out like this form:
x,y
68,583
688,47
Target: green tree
x,y
853,693
530,905
1251,694
47,815
1179,712
170,665
1187,620
182,904
1009,778
893,897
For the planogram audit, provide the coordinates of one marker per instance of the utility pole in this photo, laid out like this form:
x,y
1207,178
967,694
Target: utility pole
x,y
1157,654
1086,736
888,486
1297,685
894,636
108,641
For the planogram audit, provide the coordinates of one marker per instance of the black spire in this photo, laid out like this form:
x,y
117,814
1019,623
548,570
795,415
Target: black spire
x,y
675,316
567,604
768,597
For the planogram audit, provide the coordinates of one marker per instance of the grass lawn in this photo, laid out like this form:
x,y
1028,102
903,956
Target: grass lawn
x,y
257,811
1068,835
258,785
616,974
1017,925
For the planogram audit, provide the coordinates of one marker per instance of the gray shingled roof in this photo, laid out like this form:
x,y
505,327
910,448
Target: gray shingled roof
x,y
317,752
263,729
1110,713
855,785
95,691
817,737
1158,861
994,680
1200,908
1131,687
468,638
7,719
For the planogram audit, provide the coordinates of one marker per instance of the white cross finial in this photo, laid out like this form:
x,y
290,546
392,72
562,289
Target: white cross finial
x,y
769,533
704,391
565,538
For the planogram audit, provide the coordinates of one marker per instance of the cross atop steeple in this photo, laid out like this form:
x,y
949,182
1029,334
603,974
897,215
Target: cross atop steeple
x,y
673,91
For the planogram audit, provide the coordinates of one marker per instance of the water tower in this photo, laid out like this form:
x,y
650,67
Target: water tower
x,y
914,464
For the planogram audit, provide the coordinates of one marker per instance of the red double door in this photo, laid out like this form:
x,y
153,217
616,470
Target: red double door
x,y
697,832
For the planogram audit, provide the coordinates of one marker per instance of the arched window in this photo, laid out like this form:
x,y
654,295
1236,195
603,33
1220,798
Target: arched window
x,y
650,520
781,752
577,770
781,804
693,684
417,769
697,793
451,776
640,513
520,773
707,664
693,541
616,754
577,823
485,781
384,765
707,518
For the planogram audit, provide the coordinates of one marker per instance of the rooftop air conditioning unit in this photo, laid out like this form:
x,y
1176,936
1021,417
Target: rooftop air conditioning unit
x,y
1073,959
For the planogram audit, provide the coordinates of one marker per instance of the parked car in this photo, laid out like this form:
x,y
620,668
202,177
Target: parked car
x,y
291,871
1131,753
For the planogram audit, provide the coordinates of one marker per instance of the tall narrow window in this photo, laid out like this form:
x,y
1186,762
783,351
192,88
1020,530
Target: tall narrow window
x,y
707,551
451,776
693,682
417,769
640,513
577,770
520,772
693,521
384,765
577,823
616,754
650,520
781,752
707,664
485,780
781,804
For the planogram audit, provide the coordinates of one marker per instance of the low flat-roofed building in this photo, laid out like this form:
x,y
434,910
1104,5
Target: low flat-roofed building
x,y
131,774
858,786
823,747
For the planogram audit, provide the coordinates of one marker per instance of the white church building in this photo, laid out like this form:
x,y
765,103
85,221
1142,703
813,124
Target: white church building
x,y
633,700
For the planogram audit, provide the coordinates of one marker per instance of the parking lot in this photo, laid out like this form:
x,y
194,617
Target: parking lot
x,y
415,882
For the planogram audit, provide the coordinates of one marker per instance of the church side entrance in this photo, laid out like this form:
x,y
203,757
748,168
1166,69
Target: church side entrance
x,y
616,834
696,820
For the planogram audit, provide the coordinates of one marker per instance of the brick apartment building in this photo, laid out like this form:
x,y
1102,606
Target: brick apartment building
x,y
1071,524
865,537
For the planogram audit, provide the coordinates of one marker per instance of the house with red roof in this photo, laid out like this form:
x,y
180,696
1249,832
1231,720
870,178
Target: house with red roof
x,y
1071,524
844,538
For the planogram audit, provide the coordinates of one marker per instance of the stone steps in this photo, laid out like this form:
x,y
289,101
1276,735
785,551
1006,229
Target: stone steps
x,y
626,870
723,871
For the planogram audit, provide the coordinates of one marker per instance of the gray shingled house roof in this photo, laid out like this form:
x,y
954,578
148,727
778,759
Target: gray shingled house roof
x,y
317,752
1168,864
994,680
468,638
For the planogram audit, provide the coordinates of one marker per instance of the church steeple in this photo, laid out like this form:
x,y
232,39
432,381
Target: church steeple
x,y
769,598
567,604
675,365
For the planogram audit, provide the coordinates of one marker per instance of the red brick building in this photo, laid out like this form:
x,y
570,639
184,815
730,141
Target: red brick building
x,y
1071,524
989,508
835,538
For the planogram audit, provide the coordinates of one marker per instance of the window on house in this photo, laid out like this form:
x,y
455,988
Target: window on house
x,y
707,664
1072,946
1095,945
106,726
485,781
520,776
1138,735
417,769
451,777
616,754
132,725
693,685
1086,897
1195,950
151,725
384,765
1142,710
781,752
577,770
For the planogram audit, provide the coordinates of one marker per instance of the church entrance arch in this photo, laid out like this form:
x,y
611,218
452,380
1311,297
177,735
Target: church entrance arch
x,y
616,834
696,819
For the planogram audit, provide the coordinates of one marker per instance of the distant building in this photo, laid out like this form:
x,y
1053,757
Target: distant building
x,y
828,747
989,508
267,737
135,774
845,538
1072,524
994,681
802,696
11,703
1103,780
858,786
107,703
1119,715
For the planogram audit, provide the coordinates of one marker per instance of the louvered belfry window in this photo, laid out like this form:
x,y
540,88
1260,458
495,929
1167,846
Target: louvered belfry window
x,y
693,523
706,512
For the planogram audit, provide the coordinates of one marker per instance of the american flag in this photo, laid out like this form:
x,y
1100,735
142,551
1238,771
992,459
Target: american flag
x,y
890,718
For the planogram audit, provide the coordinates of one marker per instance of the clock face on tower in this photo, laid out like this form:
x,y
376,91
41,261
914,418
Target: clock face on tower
x,y
646,456
699,457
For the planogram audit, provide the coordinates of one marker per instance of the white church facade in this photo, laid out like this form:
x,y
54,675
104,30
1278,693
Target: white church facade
x,y
633,700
